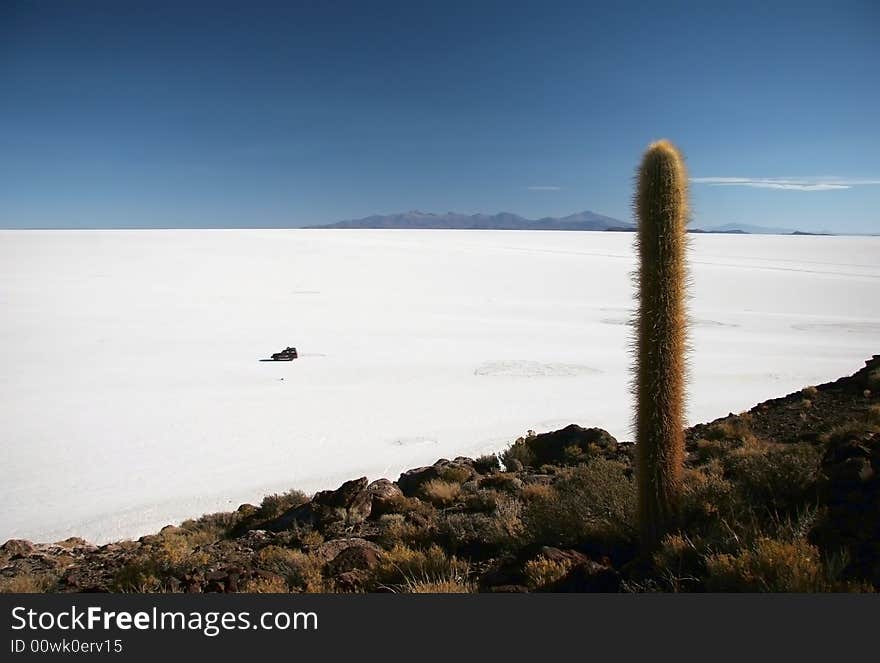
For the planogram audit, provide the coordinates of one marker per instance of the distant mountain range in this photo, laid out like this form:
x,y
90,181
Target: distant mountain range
x,y
416,219
749,229
586,220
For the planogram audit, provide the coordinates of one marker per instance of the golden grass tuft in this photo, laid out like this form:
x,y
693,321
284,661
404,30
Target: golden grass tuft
x,y
441,493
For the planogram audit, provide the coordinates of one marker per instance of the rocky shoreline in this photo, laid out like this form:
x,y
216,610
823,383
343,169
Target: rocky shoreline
x,y
784,497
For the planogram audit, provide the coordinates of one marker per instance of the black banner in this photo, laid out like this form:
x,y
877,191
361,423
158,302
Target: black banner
x,y
457,627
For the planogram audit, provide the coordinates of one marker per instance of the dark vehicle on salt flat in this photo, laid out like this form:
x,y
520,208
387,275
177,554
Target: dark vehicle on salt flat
x,y
287,354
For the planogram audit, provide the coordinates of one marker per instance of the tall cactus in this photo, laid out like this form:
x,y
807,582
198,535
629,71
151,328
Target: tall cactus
x,y
661,203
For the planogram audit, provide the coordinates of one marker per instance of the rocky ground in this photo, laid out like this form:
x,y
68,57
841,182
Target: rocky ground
x,y
784,497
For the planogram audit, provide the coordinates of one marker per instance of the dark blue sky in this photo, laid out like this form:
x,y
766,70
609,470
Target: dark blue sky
x,y
207,114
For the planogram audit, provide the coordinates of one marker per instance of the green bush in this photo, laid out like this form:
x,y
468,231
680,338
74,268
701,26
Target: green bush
x,y
590,503
273,506
519,452
779,478
481,535
487,464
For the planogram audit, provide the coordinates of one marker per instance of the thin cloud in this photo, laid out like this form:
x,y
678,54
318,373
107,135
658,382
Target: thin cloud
x,y
544,188
786,183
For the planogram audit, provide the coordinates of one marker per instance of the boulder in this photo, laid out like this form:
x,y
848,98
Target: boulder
x,y
353,558
351,502
18,548
505,574
459,470
384,496
550,448
351,581
587,576
557,555
329,550
411,480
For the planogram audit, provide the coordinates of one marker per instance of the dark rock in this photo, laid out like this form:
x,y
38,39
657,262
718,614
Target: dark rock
x,y
351,502
507,572
304,514
487,464
550,448
74,542
410,482
587,576
849,487
509,589
384,496
343,497
557,555
257,538
351,581
329,550
353,558
503,481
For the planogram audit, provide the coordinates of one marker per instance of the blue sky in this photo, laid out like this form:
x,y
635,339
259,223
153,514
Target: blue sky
x,y
212,114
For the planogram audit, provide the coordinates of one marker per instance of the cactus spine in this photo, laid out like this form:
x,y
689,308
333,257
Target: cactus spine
x,y
661,204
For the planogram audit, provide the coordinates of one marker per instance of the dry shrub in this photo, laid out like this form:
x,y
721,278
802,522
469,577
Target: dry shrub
x,y
455,473
409,506
481,535
402,566
679,562
541,571
141,575
209,528
301,571
441,493
272,584
708,450
455,586
483,500
770,565
736,427
705,495
506,481
171,554
28,583
537,491
397,528
869,423
310,538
